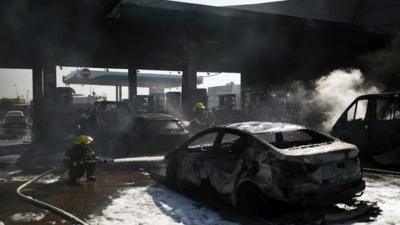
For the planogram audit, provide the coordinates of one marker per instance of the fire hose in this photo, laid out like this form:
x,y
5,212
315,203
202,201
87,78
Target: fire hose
x,y
64,214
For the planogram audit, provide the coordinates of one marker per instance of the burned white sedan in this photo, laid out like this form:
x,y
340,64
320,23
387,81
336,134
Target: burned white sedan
x,y
256,163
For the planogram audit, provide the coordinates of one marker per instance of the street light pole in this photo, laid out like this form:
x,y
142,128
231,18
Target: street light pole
x,y
27,96
16,88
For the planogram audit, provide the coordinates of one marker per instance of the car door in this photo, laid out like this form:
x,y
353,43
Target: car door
x,y
353,125
226,163
385,127
197,155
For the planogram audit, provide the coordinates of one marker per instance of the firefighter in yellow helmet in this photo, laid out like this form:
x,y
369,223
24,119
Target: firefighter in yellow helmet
x,y
202,119
80,159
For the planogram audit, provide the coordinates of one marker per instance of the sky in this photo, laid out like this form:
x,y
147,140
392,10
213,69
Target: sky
x,y
20,80
15,80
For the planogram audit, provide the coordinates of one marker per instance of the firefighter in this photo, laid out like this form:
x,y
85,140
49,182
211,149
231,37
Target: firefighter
x,y
80,159
202,119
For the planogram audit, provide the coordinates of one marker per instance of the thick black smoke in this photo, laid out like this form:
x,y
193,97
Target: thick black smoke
x,y
383,65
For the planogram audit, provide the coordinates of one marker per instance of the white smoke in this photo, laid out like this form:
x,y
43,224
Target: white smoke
x,y
332,94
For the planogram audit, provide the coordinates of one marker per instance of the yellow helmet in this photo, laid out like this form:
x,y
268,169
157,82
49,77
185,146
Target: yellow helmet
x,y
198,106
83,140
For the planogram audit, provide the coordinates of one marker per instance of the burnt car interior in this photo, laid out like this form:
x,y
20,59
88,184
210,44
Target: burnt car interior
x,y
294,138
232,143
222,146
203,142
219,142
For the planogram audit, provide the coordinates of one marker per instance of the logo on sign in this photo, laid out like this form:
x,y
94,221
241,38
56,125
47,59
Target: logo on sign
x,y
85,73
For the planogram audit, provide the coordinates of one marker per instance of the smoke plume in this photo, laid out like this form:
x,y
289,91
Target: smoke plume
x,y
383,65
330,95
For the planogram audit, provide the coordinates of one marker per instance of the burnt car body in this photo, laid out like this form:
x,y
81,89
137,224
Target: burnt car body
x,y
372,122
254,163
153,133
105,118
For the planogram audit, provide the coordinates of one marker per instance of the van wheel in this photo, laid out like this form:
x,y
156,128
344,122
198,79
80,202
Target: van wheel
x,y
250,200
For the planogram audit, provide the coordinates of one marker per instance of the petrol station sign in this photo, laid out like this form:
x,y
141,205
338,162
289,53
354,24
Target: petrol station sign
x,y
85,73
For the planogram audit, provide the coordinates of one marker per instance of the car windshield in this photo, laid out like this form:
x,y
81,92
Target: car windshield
x,y
162,127
294,138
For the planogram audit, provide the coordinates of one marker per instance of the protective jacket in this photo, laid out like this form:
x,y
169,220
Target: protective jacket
x,y
76,161
78,154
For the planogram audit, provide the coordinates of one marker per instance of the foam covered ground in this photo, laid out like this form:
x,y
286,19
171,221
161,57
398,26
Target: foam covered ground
x,y
386,192
158,205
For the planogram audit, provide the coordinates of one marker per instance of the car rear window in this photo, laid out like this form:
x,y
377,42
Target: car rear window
x,y
294,138
162,127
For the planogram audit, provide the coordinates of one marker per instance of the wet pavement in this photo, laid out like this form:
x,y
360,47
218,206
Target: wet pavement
x,y
89,198
133,193
14,136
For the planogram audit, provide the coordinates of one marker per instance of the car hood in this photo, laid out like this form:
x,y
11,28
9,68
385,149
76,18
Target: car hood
x,y
321,153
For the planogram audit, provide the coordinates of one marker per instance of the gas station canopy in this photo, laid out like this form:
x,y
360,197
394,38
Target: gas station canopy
x,y
95,77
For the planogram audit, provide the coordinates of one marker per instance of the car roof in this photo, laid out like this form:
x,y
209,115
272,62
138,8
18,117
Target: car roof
x,y
380,95
256,127
156,116
15,112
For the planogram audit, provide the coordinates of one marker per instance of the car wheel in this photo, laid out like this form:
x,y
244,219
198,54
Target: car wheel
x,y
171,179
249,199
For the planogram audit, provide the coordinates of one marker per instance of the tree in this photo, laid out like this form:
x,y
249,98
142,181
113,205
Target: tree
x,y
6,104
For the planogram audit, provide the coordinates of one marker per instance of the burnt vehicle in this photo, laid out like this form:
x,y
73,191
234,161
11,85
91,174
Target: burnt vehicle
x,y
153,133
254,164
105,118
372,122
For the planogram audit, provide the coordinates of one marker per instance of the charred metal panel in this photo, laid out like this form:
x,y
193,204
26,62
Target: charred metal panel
x,y
298,176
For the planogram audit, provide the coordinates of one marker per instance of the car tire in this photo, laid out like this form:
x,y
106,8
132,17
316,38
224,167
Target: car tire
x,y
249,199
